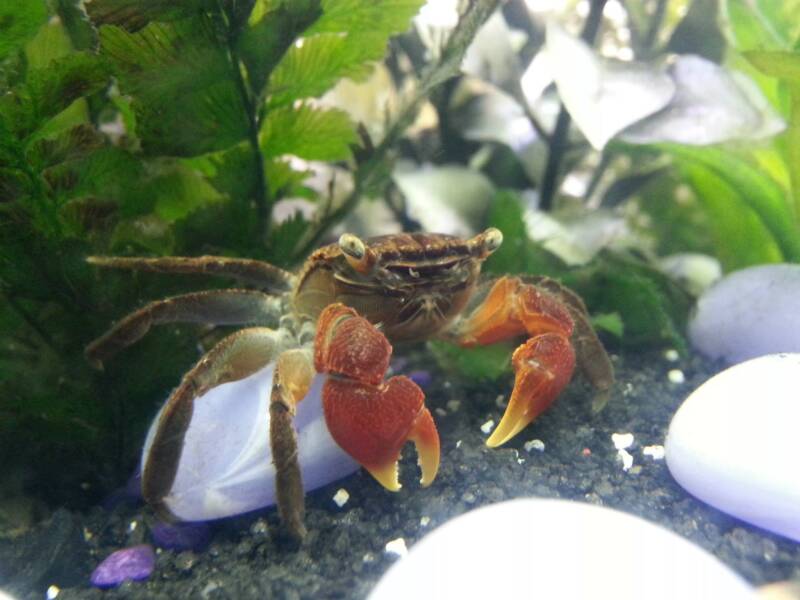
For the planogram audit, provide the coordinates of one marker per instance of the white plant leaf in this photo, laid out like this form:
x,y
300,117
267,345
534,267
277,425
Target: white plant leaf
x,y
577,239
448,199
491,56
603,96
484,113
711,105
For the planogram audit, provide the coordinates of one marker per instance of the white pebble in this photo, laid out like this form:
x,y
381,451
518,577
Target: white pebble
x,y
424,521
671,355
500,401
488,426
656,452
341,497
534,445
458,559
676,376
622,440
733,442
397,547
132,526
626,458
440,411
458,444
52,592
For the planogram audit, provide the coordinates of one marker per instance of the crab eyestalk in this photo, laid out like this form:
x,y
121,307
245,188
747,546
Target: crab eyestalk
x,y
371,419
487,242
357,253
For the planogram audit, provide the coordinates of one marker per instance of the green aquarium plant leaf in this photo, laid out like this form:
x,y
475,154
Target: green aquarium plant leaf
x,y
133,15
746,185
785,66
183,84
274,25
19,22
343,42
740,237
652,308
48,91
308,132
482,362
518,253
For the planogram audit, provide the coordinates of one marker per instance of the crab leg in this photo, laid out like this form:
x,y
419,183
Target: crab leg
x,y
218,307
235,357
294,372
543,365
255,272
371,419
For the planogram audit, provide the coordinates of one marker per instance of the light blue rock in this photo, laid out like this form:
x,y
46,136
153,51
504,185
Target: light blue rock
x,y
226,463
749,313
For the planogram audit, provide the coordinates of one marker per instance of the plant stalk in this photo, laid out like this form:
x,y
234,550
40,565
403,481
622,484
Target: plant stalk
x,y
558,140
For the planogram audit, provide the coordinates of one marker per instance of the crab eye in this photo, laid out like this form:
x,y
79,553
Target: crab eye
x,y
492,238
352,246
358,255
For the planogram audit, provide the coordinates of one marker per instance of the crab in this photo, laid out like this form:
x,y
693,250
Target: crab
x,y
337,317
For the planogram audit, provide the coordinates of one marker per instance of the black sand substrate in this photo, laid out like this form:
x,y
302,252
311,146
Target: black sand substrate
x,y
344,554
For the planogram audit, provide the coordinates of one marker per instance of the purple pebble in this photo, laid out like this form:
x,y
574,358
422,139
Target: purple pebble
x,y
181,536
421,378
135,563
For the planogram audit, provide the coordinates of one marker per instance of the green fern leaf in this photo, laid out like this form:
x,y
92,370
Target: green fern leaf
x,y
19,21
184,90
307,132
343,42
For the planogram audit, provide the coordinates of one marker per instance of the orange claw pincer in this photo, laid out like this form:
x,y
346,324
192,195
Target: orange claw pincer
x,y
371,419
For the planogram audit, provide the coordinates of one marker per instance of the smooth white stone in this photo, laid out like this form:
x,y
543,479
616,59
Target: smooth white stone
x,y
749,313
536,548
734,444
226,464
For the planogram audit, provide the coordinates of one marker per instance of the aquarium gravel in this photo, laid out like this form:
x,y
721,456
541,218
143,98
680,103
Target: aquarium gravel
x,y
348,546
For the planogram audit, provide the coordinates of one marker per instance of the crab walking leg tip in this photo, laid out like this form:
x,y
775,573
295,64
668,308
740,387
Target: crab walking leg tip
x,y
426,440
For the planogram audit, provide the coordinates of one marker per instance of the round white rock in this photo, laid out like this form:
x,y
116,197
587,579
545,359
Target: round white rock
x,y
734,443
749,313
535,548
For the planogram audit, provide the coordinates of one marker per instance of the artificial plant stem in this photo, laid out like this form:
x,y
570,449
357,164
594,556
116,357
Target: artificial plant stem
x,y
558,141
373,170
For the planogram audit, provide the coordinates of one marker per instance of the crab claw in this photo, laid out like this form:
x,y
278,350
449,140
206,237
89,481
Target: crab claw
x,y
543,367
372,423
371,419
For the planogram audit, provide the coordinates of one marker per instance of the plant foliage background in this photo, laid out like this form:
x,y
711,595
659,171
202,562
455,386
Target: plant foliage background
x,y
262,128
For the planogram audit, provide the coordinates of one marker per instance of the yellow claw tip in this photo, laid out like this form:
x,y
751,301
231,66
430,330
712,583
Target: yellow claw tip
x,y
386,476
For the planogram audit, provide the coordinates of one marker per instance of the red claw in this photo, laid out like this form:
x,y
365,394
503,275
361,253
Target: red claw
x,y
371,419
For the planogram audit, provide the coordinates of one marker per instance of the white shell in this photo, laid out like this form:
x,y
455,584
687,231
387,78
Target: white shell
x,y
226,464
535,548
749,313
734,444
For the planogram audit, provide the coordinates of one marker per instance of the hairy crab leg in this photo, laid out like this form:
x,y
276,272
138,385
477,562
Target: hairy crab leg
x,y
217,307
294,372
261,274
235,357
371,419
543,365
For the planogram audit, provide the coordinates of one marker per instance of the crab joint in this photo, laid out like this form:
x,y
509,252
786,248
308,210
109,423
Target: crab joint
x,y
369,418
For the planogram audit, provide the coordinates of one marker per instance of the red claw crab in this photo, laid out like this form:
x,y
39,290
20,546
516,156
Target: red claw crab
x,y
337,317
